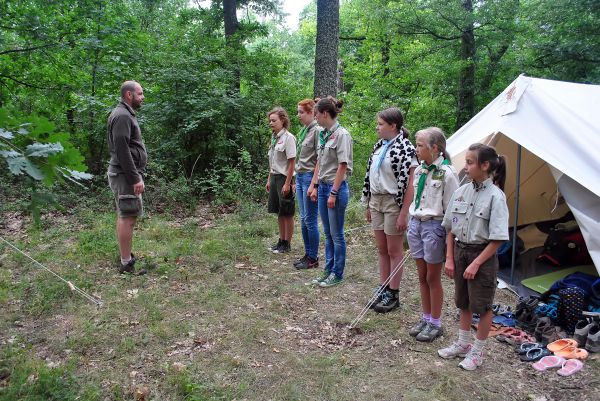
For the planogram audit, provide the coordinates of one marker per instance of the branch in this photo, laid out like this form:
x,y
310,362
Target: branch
x,y
28,49
353,37
25,83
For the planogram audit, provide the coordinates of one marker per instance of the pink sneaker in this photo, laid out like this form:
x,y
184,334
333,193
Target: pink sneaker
x,y
472,361
454,350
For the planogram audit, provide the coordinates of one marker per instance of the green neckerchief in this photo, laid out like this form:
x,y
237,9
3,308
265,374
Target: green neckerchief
x,y
423,178
326,134
274,138
302,135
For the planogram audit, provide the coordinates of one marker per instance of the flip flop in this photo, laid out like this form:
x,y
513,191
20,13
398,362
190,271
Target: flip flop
x,y
526,346
549,362
505,332
506,319
495,329
562,344
534,354
572,353
570,366
519,338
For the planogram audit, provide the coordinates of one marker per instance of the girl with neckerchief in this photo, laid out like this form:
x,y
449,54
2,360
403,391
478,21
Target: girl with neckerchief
x,y
435,181
329,184
387,192
308,143
282,156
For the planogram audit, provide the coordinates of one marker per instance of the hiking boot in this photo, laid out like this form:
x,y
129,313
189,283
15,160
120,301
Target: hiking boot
x,y
129,268
430,333
300,261
472,361
284,247
389,302
307,263
273,247
318,280
592,343
330,281
417,328
582,329
455,350
376,299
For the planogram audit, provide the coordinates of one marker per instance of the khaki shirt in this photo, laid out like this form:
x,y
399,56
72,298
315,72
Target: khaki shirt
x,y
307,159
279,153
477,216
438,190
338,149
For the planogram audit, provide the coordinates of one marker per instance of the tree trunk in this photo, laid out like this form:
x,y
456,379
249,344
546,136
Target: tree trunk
x,y
326,56
233,47
466,85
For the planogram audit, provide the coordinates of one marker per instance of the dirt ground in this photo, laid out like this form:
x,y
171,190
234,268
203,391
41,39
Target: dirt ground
x,y
222,318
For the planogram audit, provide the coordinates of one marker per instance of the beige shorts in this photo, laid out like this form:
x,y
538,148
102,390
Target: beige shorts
x,y
384,213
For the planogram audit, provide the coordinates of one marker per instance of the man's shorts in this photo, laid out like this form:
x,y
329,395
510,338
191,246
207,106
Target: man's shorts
x,y
279,204
476,294
128,204
384,213
427,240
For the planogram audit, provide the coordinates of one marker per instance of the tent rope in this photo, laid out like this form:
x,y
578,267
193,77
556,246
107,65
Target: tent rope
x,y
71,286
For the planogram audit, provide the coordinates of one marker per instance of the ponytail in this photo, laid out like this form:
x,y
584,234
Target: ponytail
x,y
499,175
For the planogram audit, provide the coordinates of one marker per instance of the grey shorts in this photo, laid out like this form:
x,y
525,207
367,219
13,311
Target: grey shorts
x,y
427,240
128,204
384,213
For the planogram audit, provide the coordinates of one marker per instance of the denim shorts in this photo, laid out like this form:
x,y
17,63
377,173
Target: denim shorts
x,y
427,240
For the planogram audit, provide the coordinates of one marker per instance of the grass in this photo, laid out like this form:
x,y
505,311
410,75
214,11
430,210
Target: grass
x,y
219,318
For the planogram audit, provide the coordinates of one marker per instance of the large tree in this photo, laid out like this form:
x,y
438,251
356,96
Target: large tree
x,y
326,57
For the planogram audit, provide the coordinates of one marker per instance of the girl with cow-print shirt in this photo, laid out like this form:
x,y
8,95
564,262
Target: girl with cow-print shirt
x,y
388,192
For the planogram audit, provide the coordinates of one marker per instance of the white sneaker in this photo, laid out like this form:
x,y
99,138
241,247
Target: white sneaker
x,y
472,361
455,350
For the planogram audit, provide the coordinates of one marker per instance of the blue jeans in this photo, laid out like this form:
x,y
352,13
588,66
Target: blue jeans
x,y
308,215
333,225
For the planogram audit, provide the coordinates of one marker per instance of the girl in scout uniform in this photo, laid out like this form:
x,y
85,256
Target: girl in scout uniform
x,y
387,192
477,223
308,142
334,165
282,154
435,182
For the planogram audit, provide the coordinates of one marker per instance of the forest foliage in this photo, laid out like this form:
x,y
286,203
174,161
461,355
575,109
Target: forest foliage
x,y
207,93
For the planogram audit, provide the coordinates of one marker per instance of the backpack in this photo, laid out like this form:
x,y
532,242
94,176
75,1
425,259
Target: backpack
x,y
563,248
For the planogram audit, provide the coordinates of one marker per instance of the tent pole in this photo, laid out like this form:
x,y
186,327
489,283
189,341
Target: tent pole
x,y
514,240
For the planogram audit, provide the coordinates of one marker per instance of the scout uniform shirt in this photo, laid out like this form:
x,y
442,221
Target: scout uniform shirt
x,y
478,214
437,193
282,148
338,149
307,157
383,180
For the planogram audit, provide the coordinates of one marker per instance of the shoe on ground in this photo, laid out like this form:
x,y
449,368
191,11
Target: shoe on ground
x,y
318,280
430,332
592,343
376,297
417,328
389,302
307,263
129,268
300,261
284,247
330,281
455,350
582,329
276,245
472,361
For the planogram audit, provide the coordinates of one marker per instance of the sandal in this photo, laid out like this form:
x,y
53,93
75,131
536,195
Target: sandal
x,y
505,332
549,362
572,353
519,338
506,319
561,344
526,346
535,354
570,366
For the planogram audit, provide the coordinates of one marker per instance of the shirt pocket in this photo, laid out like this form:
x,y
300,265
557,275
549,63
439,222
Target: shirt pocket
x,y
459,207
483,212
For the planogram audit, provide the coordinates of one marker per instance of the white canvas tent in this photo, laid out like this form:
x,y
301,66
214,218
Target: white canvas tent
x,y
556,128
